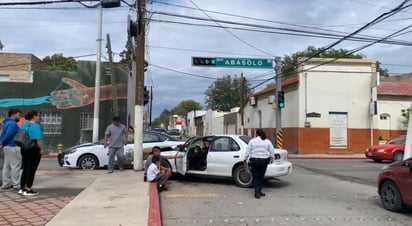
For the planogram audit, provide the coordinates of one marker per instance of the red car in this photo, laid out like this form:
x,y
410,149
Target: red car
x,y
395,183
393,150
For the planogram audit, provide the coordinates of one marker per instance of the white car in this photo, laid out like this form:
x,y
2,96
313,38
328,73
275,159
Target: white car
x,y
224,158
92,156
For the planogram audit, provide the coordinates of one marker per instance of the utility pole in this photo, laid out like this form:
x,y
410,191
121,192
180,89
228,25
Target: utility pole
x,y
112,78
278,81
140,52
150,106
96,113
242,102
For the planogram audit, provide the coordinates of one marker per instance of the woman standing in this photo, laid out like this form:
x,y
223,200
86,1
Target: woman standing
x,y
259,152
31,158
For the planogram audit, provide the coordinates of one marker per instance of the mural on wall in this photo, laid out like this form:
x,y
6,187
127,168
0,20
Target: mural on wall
x,y
76,95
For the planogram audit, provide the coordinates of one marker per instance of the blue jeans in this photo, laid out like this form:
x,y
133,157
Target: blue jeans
x,y
119,152
258,170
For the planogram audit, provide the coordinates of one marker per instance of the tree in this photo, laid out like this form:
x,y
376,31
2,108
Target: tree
x,y
1,46
163,119
185,106
225,93
290,63
58,62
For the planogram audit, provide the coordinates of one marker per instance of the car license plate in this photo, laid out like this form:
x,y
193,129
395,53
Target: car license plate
x,y
369,154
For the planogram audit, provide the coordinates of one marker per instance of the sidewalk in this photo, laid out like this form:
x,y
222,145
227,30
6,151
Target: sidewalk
x,y
120,198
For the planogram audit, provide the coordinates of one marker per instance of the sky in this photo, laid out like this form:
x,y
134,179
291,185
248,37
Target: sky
x,y
178,30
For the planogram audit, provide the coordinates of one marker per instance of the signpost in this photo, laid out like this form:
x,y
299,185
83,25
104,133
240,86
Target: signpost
x,y
232,62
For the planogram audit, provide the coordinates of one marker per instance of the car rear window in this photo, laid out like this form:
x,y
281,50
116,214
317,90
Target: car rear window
x,y
246,139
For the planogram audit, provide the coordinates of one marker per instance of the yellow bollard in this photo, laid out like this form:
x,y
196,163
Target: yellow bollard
x,y
60,148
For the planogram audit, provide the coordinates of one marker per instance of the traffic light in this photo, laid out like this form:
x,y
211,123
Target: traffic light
x,y
145,96
281,99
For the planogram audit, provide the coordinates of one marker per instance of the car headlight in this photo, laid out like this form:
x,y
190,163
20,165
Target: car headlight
x,y
71,151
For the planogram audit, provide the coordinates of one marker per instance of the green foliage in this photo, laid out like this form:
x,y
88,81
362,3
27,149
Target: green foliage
x,y
405,114
181,109
225,93
58,62
290,63
1,46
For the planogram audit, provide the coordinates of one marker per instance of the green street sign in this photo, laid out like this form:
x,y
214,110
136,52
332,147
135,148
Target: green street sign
x,y
244,62
232,62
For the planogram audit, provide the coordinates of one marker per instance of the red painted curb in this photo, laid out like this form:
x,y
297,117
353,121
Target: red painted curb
x,y
49,156
155,218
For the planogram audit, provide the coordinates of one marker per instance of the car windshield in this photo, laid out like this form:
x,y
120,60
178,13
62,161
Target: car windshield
x,y
398,140
173,132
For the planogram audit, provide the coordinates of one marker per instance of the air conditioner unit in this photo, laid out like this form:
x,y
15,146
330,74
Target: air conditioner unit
x,y
271,99
252,101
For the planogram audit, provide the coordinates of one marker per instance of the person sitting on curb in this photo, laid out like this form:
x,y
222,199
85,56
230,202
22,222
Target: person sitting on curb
x,y
164,168
155,175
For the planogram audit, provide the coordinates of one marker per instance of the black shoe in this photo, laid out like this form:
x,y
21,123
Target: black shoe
x,y
257,196
262,194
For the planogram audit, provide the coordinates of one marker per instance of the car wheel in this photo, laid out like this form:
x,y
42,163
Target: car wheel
x,y
390,196
88,162
242,177
377,160
397,156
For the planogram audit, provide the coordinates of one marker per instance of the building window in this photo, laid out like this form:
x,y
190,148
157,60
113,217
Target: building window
x,y
51,122
86,120
384,116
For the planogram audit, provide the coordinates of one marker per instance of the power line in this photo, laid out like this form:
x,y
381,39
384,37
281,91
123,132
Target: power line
x,y
181,72
41,62
231,33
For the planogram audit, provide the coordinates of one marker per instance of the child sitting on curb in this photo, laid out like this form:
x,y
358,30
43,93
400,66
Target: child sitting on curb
x,y
155,175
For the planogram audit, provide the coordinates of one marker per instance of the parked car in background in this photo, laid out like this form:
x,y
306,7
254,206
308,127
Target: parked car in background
x,y
223,158
395,185
175,133
393,150
94,155
160,130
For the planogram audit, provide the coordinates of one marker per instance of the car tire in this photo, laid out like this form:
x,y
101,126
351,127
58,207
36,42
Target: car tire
x,y
390,196
88,162
397,156
242,177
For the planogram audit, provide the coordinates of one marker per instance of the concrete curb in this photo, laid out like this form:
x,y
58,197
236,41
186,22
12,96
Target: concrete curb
x,y
155,216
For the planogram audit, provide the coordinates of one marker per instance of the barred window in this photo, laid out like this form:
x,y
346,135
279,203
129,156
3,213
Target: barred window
x,y
86,120
51,122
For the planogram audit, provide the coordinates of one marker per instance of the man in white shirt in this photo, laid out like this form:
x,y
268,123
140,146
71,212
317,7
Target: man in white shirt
x,y
155,175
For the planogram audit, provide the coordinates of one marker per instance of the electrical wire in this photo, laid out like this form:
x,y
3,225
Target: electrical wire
x,y
231,33
41,62
181,72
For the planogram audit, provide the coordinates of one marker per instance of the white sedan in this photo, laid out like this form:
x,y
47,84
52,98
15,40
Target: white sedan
x,y
224,158
92,156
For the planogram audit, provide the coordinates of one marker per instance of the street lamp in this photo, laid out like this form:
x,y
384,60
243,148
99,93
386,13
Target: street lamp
x,y
96,112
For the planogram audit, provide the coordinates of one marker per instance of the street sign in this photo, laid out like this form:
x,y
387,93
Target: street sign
x,y
244,62
232,62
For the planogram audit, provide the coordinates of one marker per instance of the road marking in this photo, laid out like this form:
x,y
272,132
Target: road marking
x,y
192,196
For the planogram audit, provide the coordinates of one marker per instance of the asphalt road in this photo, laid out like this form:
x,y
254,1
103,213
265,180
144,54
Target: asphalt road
x,y
318,192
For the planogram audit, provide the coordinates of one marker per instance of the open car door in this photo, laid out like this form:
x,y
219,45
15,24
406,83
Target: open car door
x,y
181,163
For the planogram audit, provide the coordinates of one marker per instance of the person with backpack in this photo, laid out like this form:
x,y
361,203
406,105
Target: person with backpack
x,y
31,157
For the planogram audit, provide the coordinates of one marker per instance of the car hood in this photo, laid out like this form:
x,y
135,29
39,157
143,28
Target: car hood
x,y
82,145
387,146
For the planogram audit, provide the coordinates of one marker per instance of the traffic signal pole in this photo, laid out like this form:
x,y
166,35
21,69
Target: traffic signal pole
x,y
138,120
278,81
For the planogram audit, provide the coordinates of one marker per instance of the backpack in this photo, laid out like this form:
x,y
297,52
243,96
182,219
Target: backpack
x,y
23,140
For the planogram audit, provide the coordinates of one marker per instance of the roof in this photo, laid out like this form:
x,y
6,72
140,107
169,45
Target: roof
x,y
272,87
395,88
